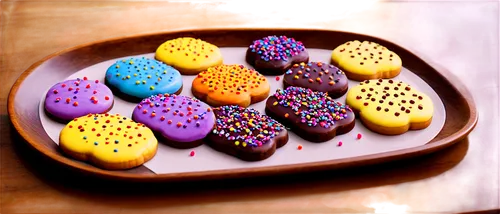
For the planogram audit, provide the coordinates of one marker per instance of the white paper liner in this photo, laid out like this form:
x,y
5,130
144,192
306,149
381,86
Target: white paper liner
x,y
171,160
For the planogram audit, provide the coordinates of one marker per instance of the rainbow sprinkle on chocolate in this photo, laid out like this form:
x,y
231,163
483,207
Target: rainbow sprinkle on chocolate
x,y
316,72
276,48
314,108
246,127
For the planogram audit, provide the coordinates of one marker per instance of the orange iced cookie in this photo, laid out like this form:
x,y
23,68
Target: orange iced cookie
x,y
230,85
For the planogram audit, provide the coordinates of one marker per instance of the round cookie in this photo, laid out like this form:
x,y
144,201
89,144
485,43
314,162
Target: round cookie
x,y
246,134
180,121
311,115
74,98
109,141
366,60
190,56
317,76
230,85
137,78
390,107
273,55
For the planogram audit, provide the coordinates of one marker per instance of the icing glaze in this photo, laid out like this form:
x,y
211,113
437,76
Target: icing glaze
x,y
367,59
108,140
177,118
189,55
230,84
390,103
317,76
74,98
143,77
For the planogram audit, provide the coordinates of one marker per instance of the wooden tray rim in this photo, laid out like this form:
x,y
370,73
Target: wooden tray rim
x,y
247,172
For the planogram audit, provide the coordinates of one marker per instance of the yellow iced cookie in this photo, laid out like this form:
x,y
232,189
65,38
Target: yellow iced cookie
x,y
390,107
366,60
109,141
188,55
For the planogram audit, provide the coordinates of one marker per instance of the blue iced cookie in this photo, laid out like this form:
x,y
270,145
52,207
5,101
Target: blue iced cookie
x,y
136,78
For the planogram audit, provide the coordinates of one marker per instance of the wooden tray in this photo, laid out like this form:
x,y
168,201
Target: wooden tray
x,y
24,98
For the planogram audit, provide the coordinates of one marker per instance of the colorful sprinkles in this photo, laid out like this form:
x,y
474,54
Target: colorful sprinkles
x,y
143,77
221,81
314,108
245,127
314,73
276,48
108,129
77,97
109,141
144,70
173,110
189,48
76,87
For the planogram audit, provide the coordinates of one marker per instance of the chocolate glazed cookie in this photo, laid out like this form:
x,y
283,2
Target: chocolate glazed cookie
x,y
273,55
317,76
311,115
246,134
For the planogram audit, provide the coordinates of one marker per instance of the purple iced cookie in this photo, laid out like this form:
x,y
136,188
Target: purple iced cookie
x,y
179,121
77,97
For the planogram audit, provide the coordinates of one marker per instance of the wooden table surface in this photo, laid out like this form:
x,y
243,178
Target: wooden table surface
x,y
461,36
